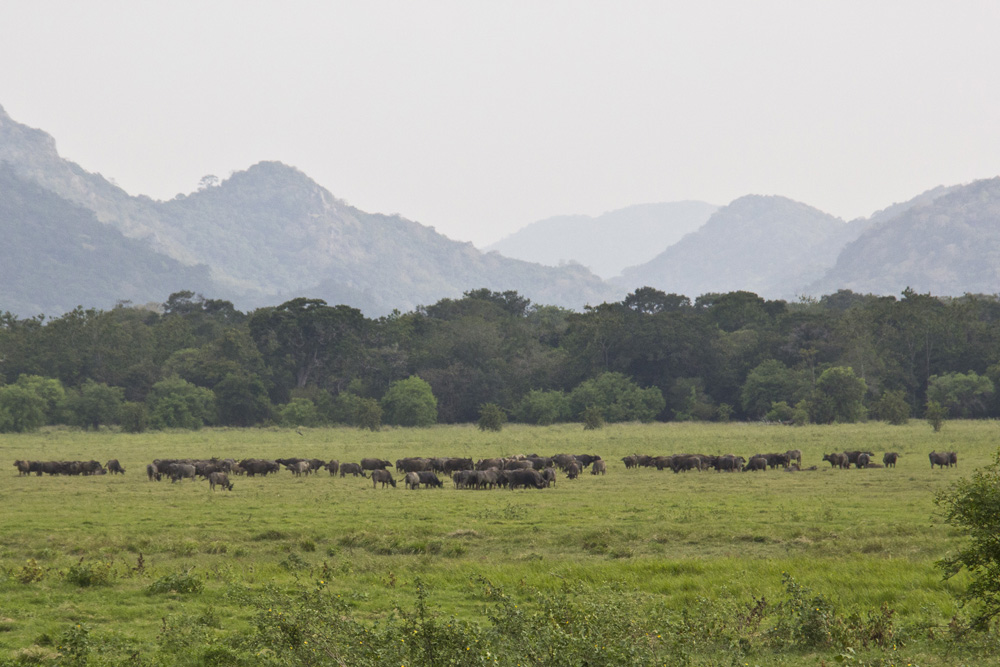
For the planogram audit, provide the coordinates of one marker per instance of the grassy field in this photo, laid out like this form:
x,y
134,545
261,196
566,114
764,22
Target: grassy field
x,y
120,570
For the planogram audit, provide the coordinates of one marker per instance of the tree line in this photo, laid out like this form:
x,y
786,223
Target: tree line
x,y
194,361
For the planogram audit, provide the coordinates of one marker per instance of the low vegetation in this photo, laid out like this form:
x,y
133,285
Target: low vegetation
x,y
633,567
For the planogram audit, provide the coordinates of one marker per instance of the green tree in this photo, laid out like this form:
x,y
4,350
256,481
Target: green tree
x,y
772,382
964,395
618,398
892,407
21,409
368,414
96,404
973,506
592,418
51,391
410,402
177,403
133,417
491,417
242,400
935,414
838,397
543,407
298,412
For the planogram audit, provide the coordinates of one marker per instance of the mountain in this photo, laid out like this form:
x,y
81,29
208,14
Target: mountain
x,y
271,233
610,242
948,245
55,255
765,244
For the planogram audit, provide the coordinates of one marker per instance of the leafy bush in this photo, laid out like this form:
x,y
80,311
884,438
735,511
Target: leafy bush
x,y
491,417
618,398
21,410
410,402
178,582
177,403
133,417
298,412
85,574
543,407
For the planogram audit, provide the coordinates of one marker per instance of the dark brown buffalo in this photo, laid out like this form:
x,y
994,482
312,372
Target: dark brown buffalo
x,y
837,460
114,467
630,461
374,464
524,479
333,466
889,459
429,479
599,467
382,476
352,469
943,459
756,463
863,460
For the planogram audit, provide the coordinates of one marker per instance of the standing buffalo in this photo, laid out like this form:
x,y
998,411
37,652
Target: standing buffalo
x,y
374,464
837,460
889,459
943,459
756,463
599,467
333,466
863,460
299,468
794,455
23,467
429,479
572,470
412,480
383,476
114,467
525,478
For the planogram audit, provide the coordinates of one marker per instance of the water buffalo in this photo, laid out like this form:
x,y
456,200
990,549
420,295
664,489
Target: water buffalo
x,y
219,479
454,463
852,456
179,471
756,463
429,479
794,455
837,460
572,470
383,476
114,467
863,460
412,465
412,480
730,463
261,467
943,459
300,468
599,467
374,464
352,469
153,472
333,466
889,459
549,475
524,478
23,467
630,461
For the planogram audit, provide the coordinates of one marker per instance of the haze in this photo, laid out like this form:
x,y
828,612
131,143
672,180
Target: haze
x,y
479,118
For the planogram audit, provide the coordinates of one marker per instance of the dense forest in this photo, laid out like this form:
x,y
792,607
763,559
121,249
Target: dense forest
x,y
195,361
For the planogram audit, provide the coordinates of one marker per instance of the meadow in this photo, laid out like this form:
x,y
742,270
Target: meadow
x,y
765,568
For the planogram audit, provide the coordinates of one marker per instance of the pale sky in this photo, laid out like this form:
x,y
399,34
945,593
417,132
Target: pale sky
x,y
478,118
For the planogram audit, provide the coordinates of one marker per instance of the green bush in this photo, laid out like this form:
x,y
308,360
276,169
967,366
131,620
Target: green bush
x,y
410,402
491,417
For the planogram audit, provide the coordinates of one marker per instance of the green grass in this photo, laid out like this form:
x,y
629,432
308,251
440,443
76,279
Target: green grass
x,y
95,551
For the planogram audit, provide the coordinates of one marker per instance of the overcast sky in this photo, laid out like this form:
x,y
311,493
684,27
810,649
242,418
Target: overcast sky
x,y
480,117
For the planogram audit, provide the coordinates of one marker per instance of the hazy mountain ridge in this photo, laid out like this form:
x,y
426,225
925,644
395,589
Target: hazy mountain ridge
x,y
46,238
765,244
608,243
948,244
271,232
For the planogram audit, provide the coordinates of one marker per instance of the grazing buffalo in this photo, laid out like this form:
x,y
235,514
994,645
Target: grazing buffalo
x,y
572,470
429,479
412,480
863,460
688,462
730,463
889,459
383,476
333,466
630,461
549,475
837,460
114,467
452,464
599,467
756,463
153,472
219,479
352,469
525,478
261,467
412,465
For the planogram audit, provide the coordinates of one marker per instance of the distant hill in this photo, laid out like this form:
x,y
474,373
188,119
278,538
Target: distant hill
x,y
765,244
55,256
608,243
270,233
947,244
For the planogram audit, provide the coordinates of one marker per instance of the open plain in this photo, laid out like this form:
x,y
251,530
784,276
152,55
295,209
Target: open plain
x,y
690,568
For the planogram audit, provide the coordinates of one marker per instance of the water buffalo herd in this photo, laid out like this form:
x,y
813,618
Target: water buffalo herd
x,y
531,471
